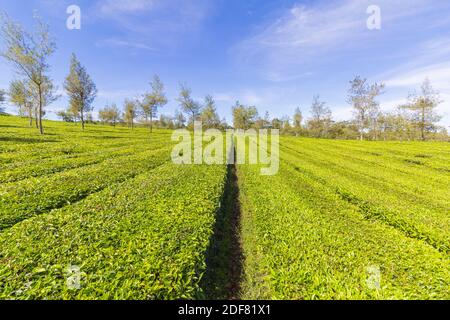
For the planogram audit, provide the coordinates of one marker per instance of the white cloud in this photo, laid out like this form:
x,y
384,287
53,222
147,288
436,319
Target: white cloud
x,y
114,7
152,24
144,16
439,75
305,37
123,43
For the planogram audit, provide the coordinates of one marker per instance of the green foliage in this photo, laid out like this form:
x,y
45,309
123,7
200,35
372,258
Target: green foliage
x,y
187,103
136,225
110,114
209,116
109,202
81,90
244,117
338,210
29,54
154,100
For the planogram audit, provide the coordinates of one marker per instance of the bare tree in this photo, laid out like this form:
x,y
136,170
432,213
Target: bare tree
x,y
362,96
29,54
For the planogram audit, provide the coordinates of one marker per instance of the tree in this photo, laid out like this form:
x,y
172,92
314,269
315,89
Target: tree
x,y
20,95
29,54
115,114
276,123
224,124
362,97
89,118
130,112
180,120
286,123
110,114
321,118
209,116
66,116
244,117
298,118
2,100
80,89
165,121
187,104
154,100
266,119
423,107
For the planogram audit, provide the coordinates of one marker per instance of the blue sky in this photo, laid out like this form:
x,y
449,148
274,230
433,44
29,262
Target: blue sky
x,y
272,54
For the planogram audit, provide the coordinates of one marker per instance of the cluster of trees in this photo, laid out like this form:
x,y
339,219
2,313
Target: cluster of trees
x,y
416,120
144,110
145,107
29,54
34,90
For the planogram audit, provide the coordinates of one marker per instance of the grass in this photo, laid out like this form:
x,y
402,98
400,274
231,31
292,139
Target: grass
x,y
338,210
341,219
137,226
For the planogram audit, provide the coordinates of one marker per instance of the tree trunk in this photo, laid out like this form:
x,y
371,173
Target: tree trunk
x,y
82,120
41,128
422,125
36,117
151,122
30,116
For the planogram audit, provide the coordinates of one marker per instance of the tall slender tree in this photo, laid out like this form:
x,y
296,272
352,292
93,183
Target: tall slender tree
x,y
209,116
180,120
187,104
130,112
298,118
153,101
80,89
423,107
321,118
362,96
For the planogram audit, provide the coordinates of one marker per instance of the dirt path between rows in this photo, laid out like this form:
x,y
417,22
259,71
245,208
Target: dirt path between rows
x,y
225,258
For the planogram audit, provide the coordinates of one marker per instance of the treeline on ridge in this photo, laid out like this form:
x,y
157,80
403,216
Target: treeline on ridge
x,y
35,90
